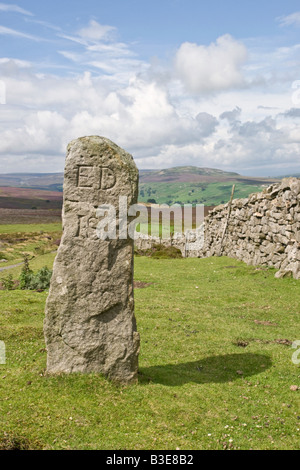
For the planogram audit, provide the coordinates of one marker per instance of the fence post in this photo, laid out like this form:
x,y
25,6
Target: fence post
x,y
227,220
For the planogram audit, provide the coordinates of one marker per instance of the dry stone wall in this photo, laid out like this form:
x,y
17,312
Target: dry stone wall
x,y
262,230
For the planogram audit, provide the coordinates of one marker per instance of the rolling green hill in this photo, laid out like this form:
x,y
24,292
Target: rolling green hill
x,y
193,185
185,185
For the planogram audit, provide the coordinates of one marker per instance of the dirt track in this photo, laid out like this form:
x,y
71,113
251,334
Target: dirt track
x,y
10,267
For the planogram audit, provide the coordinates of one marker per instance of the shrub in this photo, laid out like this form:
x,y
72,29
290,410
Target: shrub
x,y
34,281
41,280
160,251
165,252
8,282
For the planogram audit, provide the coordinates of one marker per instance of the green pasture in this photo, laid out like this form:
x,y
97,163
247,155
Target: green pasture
x,y
215,366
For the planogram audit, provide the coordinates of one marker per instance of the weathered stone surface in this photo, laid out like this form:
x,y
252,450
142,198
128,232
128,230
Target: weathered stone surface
x,y
90,324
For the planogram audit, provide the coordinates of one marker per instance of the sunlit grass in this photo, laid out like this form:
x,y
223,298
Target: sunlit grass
x,y
214,372
30,228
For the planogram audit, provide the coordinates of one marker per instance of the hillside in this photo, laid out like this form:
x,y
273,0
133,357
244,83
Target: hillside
x,y
193,185
290,175
29,205
185,185
26,198
185,174
49,181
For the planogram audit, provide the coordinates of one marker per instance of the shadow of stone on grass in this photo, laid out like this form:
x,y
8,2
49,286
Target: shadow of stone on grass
x,y
213,369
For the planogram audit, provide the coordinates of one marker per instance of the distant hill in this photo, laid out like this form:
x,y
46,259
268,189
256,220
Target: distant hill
x,y
184,184
185,174
27,198
294,175
48,181
193,185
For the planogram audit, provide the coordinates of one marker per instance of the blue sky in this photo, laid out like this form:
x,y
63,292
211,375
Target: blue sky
x,y
174,82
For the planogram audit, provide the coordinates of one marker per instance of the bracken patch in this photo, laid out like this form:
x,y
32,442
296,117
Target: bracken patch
x,y
11,442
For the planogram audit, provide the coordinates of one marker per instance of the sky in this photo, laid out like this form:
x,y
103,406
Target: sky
x,y
174,82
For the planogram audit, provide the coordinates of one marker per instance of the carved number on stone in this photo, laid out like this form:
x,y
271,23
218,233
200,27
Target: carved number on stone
x,y
95,177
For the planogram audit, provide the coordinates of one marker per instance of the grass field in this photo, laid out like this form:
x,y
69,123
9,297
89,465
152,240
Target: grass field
x,y
215,366
38,242
29,228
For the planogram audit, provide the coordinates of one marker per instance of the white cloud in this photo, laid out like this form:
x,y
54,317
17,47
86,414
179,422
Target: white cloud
x,y
264,143
12,32
231,116
101,51
36,135
139,116
96,31
293,113
46,24
293,19
75,39
113,49
43,113
97,38
262,148
207,124
209,114
15,9
15,62
211,68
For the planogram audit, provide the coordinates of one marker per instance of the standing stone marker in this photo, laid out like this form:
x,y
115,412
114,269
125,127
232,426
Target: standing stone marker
x,y
90,324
